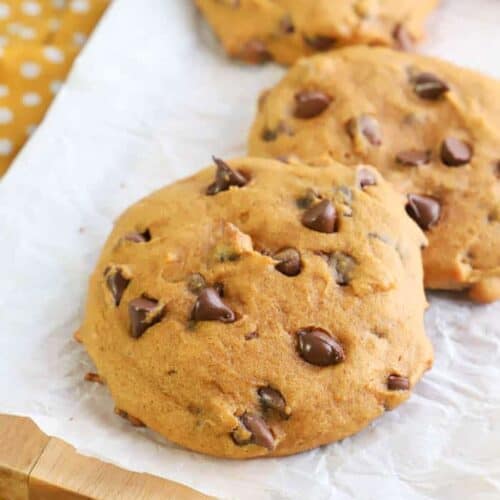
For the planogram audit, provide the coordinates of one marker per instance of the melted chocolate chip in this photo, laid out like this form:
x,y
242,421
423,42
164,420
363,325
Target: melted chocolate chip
x,y
144,313
366,178
317,347
413,158
210,307
225,177
289,261
117,283
310,103
196,283
398,383
366,125
402,39
425,211
252,335
321,217
261,434
271,399
429,86
455,153
320,43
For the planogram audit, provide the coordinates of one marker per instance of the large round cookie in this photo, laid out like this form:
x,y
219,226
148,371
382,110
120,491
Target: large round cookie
x,y
284,30
260,309
431,128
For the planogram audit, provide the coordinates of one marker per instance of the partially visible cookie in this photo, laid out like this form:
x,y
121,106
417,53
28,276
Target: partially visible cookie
x,y
257,309
284,30
431,128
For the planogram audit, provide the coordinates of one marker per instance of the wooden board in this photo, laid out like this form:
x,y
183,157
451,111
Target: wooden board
x,y
36,467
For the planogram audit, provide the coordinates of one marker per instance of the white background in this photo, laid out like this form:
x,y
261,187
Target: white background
x,y
150,100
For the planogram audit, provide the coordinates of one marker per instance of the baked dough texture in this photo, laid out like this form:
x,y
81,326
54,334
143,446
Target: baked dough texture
x,y
260,309
431,128
284,30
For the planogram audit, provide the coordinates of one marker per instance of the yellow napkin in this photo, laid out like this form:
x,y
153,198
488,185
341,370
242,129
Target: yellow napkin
x,y
39,40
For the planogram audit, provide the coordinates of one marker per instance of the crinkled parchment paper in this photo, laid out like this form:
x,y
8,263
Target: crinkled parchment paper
x,y
149,101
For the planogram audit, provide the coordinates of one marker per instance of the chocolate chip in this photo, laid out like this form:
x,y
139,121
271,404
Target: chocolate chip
x,y
146,235
321,217
210,307
219,288
289,261
255,51
252,335
260,433
398,383
320,42
271,399
341,266
269,135
455,153
317,347
310,103
403,40
429,86
425,211
225,177
496,169
117,283
366,125
137,237
196,283
286,25
144,312
413,158
370,128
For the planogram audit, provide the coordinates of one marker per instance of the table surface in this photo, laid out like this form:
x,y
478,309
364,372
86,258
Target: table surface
x,y
35,466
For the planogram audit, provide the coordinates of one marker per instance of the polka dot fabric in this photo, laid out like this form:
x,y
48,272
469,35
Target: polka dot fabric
x,y
39,40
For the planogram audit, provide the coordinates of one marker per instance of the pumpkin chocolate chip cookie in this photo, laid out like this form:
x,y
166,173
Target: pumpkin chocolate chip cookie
x,y
259,309
431,128
284,30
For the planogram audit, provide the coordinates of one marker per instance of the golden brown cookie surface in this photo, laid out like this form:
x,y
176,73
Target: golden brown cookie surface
x,y
284,30
261,309
431,128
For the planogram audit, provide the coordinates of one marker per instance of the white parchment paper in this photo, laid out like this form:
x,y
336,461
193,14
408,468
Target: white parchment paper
x,y
148,102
